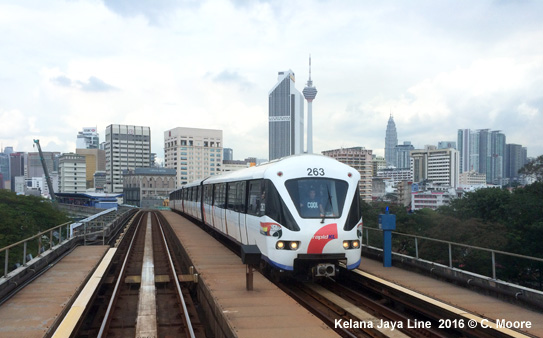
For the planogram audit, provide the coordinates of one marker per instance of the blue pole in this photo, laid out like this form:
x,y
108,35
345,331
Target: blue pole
x,y
387,224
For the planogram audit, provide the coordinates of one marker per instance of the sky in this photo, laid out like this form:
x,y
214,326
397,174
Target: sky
x,y
436,66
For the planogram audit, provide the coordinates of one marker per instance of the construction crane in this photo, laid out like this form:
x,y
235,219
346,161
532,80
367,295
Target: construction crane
x,y
46,172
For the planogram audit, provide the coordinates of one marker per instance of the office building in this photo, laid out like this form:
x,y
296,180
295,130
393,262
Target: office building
x,y
16,167
72,173
95,160
402,158
34,167
391,141
439,166
88,139
227,154
127,147
286,117
194,153
361,160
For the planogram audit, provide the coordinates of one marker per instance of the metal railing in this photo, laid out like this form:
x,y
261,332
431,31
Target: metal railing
x,y
463,253
38,247
98,226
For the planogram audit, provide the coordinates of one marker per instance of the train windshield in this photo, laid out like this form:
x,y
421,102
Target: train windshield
x,y
318,197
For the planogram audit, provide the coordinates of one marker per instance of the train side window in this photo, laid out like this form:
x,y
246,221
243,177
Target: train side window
x,y
242,193
354,212
232,196
220,195
254,200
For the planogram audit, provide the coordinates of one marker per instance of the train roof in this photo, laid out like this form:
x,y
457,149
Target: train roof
x,y
259,171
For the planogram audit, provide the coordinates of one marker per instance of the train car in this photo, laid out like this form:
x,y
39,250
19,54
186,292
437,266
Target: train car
x,y
302,211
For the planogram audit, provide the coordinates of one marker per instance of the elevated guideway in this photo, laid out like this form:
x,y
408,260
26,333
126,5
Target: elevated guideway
x,y
232,311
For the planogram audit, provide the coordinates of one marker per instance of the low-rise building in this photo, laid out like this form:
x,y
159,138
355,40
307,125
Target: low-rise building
x,y
148,187
430,199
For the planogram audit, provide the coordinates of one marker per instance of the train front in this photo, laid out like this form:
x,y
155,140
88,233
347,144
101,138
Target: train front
x,y
323,200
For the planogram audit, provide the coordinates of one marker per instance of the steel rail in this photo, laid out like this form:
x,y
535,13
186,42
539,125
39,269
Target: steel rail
x,y
105,322
188,326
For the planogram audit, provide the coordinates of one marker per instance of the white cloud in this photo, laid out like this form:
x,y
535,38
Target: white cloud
x,y
436,66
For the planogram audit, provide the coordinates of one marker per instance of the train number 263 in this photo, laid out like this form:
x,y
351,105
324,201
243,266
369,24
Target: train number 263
x,y
315,171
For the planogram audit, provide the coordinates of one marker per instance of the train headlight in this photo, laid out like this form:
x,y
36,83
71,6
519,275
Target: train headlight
x,y
280,245
293,245
346,244
355,244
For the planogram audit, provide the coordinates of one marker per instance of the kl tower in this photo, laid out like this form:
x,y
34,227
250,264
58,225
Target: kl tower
x,y
309,93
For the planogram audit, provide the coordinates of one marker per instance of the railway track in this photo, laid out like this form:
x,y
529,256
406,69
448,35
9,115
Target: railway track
x,y
142,295
359,306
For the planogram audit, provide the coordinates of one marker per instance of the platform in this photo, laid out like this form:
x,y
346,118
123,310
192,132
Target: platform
x,y
471,301
264,312
38,306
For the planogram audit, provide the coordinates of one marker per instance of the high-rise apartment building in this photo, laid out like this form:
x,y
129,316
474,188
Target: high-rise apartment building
x,y
483,151
88,139
127,147
360,159
515,158
286,118
440,166
194,153
391,141
72,173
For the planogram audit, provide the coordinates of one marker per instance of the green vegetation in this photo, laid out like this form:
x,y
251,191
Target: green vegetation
x,y
490,218
22,217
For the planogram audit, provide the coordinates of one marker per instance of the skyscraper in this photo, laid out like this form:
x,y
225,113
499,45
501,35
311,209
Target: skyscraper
x,y
391,141
286,117
88,139
127,147
483,151
310,93
515,158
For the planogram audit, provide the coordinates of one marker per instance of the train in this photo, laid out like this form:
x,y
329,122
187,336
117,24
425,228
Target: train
x,y
302,211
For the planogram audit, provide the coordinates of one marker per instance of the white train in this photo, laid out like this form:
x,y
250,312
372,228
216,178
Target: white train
x,y
302,211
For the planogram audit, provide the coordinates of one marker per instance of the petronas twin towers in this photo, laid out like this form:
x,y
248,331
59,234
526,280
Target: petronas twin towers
x,y
286,116
391,140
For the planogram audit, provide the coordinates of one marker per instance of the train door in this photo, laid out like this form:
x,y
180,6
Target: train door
x,y
232,216
219,207
241,208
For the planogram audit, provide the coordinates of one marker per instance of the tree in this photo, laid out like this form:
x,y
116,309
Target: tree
x,y
534,167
